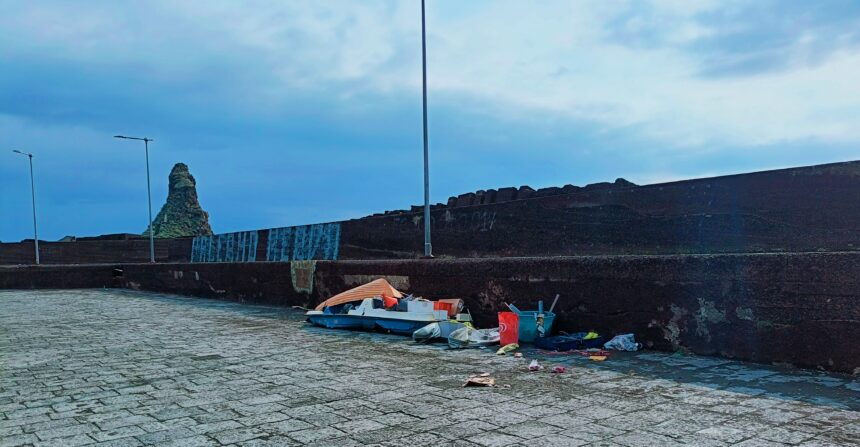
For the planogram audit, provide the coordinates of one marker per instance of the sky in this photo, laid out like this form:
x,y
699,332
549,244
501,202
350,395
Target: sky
x,y
294,112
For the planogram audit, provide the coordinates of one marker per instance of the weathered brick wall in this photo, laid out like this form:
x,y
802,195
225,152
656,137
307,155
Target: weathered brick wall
x,y
802,309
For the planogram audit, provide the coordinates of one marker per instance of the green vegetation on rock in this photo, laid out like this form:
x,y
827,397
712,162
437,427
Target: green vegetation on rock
x,y
181,215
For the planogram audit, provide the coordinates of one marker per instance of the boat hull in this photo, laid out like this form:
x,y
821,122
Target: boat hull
x,y
332,321
367,323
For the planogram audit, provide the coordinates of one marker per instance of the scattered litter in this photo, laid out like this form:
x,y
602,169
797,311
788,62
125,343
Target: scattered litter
x,y
467,337
558,369
437,330
518,355
483,379
597,358
507,348
624,342
535,366
581,352
567,342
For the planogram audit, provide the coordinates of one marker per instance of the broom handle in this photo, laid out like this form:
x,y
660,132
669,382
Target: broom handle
x,y
553,303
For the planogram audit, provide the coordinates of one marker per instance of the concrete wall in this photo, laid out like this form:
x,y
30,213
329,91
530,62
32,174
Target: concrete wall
x,y
802,309
95,251
814,208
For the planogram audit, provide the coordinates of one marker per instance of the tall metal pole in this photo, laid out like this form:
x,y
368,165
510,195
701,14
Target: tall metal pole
x,y
33,194
428,247
148,192
149,202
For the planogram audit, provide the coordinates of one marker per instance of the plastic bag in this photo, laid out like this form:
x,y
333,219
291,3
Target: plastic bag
x,y
427,333
624,342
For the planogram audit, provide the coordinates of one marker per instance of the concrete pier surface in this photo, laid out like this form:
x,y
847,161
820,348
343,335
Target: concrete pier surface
x,y
117,367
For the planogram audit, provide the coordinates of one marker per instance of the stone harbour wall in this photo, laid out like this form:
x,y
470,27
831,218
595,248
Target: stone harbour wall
x,y
805,209
800,309
95,251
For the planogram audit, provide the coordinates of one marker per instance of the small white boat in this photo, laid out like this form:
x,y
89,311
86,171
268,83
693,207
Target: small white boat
x,y
370,316
468,337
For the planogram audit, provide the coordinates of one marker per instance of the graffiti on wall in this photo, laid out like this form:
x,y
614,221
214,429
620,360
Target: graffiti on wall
x,y
320,241
227,247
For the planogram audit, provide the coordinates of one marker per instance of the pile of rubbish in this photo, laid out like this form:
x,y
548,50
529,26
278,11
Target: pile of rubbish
x,y
377,305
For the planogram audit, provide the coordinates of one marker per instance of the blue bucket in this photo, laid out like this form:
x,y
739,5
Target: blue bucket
x,y
528,325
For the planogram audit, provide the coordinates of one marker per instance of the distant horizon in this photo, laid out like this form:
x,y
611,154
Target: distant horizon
x,y
291,113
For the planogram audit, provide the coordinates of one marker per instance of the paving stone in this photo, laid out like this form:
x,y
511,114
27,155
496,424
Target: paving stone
x,y
159,437
312,435
645,439
16,440
555,440
495,439
69,441
238,435
62,432
117,433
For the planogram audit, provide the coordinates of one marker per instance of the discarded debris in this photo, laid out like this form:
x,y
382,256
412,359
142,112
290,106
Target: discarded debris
x,y
558,369
467,337
581,352
535,366
597,358
567,342
483,379
624,342
438,330
507,348
518,355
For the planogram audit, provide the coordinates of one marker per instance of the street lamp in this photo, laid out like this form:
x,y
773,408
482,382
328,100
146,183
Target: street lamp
x,y
148,192
33,193
428,247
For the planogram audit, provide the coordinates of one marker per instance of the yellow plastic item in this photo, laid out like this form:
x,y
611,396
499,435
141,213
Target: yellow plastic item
x,y
507,348
591,336
598,358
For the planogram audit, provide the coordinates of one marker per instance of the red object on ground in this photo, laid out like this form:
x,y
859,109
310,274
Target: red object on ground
x,y
509,328
389,301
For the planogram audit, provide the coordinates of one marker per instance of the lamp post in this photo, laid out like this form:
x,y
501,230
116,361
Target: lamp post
x,y
33,194
428,247
148,192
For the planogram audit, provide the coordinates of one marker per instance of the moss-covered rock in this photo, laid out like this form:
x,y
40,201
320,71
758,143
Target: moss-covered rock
x,y
181,215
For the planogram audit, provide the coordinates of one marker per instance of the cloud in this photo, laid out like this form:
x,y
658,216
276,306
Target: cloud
x,y
310,93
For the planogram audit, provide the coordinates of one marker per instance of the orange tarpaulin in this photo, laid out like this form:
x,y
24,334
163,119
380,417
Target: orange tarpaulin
x,y
377,287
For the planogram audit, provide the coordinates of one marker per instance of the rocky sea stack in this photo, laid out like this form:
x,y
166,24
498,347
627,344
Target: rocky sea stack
x,y
182,215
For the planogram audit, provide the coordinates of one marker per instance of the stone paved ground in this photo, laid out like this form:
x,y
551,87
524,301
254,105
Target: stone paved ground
x,y
124,368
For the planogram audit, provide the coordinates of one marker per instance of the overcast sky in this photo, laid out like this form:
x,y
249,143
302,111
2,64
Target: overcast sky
x,y
295,112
